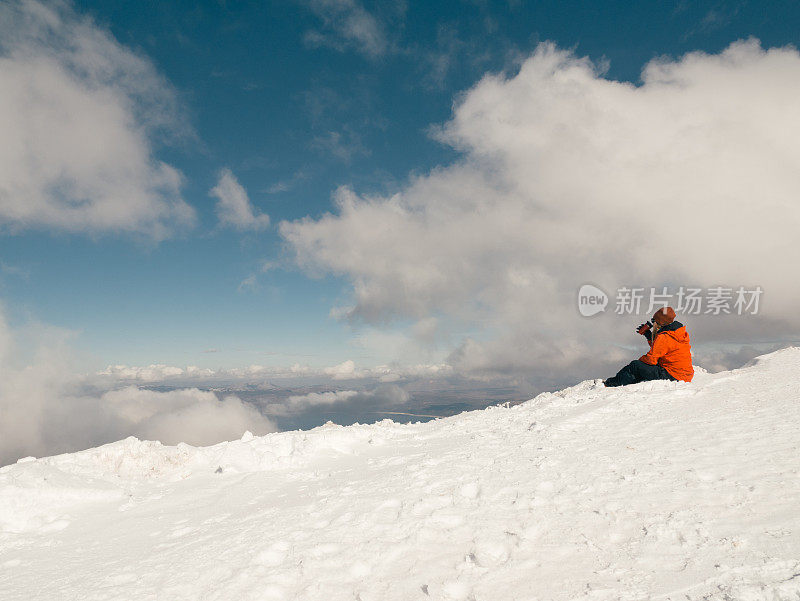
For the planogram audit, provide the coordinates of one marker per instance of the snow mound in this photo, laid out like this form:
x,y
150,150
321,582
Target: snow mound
x,y
661,490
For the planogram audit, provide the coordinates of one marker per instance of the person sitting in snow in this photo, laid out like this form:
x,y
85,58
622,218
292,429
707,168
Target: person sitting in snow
x,y
670,355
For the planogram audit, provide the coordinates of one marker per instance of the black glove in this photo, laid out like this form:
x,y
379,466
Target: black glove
x,y
644,330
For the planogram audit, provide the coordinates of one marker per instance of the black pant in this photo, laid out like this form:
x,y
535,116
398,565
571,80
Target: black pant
x,y
638,371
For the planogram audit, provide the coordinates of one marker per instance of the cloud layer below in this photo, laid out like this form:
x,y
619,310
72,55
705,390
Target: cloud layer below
x,y
568,177
46,409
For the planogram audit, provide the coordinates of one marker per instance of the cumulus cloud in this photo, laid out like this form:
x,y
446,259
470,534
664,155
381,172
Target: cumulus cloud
x,y
345,369
153,373
347,24
190,415
357,402
233,205
321,398
45,408
81,115
569,177
192,376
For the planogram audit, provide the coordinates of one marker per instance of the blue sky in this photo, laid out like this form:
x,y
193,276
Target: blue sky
x,y
297,99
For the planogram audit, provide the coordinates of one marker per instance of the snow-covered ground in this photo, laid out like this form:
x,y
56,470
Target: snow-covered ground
x,y
654,491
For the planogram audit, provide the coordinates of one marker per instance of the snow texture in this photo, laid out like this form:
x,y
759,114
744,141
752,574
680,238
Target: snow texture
x,y
661,490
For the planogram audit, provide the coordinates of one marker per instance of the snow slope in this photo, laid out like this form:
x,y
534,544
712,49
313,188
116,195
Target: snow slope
x,y
654,491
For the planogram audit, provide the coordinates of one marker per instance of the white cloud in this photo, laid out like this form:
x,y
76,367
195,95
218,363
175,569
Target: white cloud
x,y
171,374
289,183
249,283
80,116
189,415
346,369
363,401
567,178
343,145
151,373
233,204
320,398
346,24
420,342
115,376
45,408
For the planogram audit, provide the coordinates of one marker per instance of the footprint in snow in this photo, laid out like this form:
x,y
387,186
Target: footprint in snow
x,y
360,570
387,512
273,556
445,519
491,553
471,490
430,504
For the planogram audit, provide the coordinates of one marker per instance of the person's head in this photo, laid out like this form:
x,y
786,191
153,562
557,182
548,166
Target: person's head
x,y
664,316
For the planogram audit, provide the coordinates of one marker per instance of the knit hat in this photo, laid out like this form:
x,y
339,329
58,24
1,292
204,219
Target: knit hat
x,y
665,315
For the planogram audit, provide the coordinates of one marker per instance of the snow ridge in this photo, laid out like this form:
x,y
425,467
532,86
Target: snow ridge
x,y
661,490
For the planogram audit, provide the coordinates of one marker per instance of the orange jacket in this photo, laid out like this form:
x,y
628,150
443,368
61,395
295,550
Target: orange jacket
x,y
671,349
